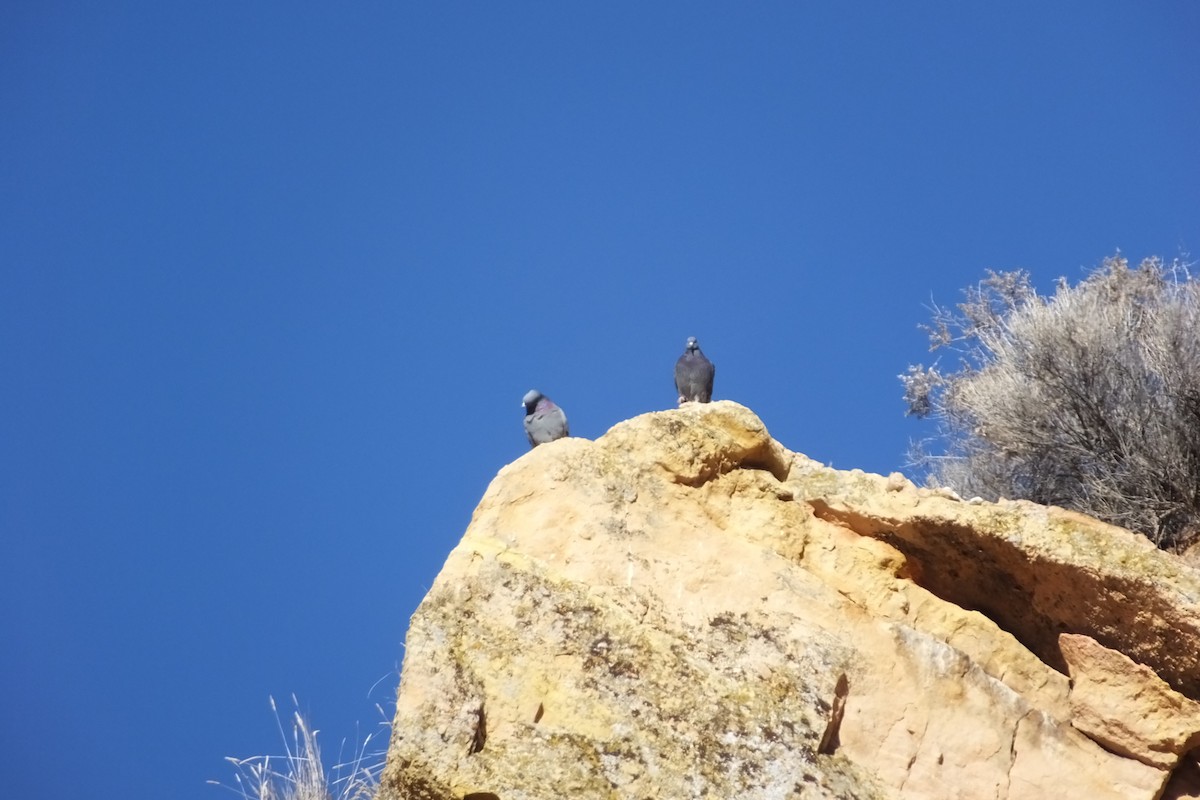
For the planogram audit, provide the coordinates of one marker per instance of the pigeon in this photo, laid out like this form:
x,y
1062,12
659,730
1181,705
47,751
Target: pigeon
x,y
544,421
694,375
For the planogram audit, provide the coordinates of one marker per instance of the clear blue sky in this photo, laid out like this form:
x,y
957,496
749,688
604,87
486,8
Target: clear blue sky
x,y
276,276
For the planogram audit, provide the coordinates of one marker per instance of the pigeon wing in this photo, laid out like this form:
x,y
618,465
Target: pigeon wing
x,y
545,425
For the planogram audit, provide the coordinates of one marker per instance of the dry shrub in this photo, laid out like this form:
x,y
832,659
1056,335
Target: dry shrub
x,y
1088,398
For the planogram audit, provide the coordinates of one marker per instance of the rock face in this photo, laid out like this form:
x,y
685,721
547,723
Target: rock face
x,y
683,608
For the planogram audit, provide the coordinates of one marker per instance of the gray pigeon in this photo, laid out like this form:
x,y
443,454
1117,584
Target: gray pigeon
x,y
544,421
694,374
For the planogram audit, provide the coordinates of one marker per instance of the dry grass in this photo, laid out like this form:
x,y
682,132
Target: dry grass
x,y
300,774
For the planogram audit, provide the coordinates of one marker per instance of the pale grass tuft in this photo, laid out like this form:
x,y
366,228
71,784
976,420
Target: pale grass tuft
x,y
300,774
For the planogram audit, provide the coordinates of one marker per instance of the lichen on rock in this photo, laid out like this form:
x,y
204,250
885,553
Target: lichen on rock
x,y
684,608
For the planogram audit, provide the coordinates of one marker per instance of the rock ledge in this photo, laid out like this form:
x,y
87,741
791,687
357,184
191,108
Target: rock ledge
x,y
684,608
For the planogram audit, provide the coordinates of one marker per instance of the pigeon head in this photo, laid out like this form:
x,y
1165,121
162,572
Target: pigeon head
x,y
692,344
531,400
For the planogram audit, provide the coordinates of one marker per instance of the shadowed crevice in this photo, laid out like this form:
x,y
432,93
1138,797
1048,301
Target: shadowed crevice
x,y
830,740
480,737
764,458
1033,599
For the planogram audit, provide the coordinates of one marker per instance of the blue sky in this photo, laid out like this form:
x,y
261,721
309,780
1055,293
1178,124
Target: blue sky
x,y
276,276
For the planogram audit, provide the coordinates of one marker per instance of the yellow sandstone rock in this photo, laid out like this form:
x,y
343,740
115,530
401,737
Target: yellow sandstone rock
x,y
683,608
1124,706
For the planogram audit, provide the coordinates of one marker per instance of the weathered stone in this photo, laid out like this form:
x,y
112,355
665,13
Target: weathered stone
x,y
1037,571
1125,707
683,608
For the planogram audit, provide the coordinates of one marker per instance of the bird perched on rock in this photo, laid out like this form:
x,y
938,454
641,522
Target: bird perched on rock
x,y
694,374
544,421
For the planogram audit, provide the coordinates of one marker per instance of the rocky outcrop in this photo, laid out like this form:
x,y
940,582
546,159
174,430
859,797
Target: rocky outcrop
x,y
683,608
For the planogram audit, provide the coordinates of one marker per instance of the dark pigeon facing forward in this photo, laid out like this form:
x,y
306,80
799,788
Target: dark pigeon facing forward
x,y
694,374
544,421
